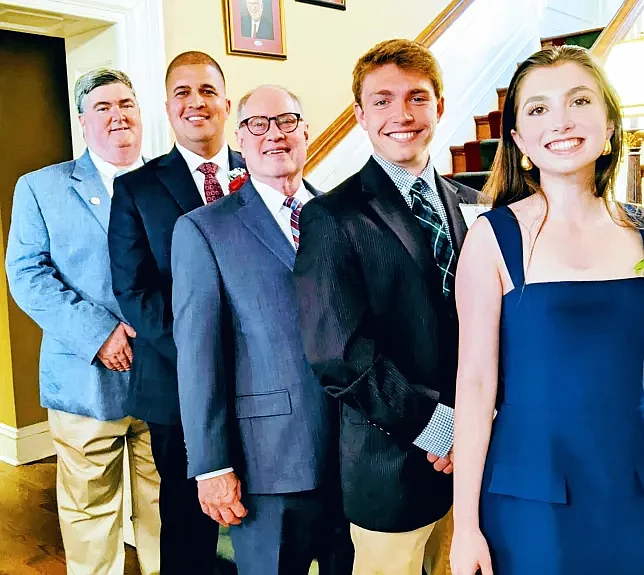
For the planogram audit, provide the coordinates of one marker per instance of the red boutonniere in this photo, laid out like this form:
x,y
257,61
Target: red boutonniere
x,y
236,179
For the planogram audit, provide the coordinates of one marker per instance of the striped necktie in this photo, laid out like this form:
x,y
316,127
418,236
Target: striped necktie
x,y
437,234
296,207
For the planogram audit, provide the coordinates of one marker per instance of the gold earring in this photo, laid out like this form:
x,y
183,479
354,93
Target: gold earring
x,y
608,148
526,164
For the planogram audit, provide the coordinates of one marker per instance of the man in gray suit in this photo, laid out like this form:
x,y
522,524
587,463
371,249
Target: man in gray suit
x,y
260,433
59,273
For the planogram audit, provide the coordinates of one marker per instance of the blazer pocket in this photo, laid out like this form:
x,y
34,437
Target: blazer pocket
x,y
527,482
263,404
354,416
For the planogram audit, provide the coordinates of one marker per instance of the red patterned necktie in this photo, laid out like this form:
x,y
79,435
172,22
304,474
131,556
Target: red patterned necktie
x,y
212,187
295,207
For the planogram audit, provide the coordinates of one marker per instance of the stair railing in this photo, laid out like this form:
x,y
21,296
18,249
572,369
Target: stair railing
x,y
617,28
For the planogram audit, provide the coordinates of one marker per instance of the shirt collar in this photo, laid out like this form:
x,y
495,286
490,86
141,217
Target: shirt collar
x,y
194,160
108,170
274,199
403,179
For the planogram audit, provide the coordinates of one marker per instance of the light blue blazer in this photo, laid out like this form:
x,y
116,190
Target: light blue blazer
x,y
59,273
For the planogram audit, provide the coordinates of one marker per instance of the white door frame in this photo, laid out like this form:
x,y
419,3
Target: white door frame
x,y
140,49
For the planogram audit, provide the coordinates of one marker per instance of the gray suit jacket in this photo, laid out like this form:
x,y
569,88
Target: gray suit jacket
x,y
248,397
59,273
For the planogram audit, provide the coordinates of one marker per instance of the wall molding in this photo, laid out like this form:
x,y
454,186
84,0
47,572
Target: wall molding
x,y
26,444
140,47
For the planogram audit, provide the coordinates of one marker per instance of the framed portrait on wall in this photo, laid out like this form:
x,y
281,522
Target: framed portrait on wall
x,y
338,4
255,28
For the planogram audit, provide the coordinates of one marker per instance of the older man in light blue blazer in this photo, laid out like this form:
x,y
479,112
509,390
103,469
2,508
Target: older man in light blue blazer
x,y
59,273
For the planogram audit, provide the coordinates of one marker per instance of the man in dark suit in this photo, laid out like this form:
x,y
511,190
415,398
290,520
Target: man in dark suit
x,y
257,21
375,282
146,205
261,434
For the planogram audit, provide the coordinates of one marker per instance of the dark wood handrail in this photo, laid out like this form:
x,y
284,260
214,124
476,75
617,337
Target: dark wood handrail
x,y
617,28
338,130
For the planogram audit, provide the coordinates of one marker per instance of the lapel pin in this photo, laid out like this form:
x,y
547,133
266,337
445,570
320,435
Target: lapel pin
x,y
95,201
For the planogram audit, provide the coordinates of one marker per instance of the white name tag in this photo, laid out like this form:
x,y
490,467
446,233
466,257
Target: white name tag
x,y
472,211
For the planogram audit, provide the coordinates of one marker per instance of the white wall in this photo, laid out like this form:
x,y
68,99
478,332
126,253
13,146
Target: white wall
x,y
566,16
477,54
85,52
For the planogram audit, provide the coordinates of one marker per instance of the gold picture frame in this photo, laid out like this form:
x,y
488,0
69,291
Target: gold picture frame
x,y
255,28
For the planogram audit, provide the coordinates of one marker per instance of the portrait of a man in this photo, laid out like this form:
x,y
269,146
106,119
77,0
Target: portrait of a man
x,y
257,19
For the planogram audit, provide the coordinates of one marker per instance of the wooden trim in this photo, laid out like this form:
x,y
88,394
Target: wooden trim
x,y
321,147
617,28
439,25
570,35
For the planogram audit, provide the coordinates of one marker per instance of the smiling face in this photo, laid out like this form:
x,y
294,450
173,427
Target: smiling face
x,y
274,156
562,122
197,108
400,111
111,123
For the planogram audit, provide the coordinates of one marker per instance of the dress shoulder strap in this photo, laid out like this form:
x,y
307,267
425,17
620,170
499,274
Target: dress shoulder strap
x,y
508,235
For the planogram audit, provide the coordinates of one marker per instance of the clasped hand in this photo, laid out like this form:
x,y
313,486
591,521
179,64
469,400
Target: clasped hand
x,y
220,499
116,352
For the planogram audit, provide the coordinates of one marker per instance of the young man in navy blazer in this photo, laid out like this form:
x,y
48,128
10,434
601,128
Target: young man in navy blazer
x,y
375,284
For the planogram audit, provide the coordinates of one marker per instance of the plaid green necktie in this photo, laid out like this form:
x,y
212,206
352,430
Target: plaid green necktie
x,y
433,225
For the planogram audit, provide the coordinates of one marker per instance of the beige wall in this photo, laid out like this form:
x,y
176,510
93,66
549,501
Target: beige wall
x,y
322,45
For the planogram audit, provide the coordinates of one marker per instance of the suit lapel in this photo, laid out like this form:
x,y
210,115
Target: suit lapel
x,y
389,204
312,190
87,183
452,198
258,219
235,160
176,177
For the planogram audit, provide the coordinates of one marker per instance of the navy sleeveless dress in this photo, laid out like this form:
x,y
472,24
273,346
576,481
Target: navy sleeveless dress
x,y
563,486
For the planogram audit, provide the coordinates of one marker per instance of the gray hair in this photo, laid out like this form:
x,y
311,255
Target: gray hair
x,y
95,79
244,99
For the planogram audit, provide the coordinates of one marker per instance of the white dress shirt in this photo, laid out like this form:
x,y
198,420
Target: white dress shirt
x,y
274,201
194,161
108,171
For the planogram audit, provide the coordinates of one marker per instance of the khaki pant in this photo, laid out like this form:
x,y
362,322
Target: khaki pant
x,y
407,553
89,488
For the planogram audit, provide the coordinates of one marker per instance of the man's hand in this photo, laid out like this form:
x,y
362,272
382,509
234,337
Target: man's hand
x,y
443,464
116,353
220,499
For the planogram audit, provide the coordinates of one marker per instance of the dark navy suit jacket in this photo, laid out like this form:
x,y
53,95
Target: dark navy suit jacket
x,y
145,207
249,399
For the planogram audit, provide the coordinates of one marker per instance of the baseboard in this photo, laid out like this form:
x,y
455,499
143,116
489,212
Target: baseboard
x,y
27,444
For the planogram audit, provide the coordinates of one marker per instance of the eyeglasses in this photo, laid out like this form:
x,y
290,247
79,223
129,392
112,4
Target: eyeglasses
x,y
259,125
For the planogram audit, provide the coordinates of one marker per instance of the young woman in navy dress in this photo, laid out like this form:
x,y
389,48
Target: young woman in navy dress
x,y
552,336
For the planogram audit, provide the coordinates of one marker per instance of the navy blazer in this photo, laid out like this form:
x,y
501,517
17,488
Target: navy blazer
x,y
145,207
383,340
249,399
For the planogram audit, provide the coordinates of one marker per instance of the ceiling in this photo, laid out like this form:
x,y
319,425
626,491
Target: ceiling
x,y
31,21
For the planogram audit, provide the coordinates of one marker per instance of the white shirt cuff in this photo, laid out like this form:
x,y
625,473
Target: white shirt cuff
x,y
214,474
438,436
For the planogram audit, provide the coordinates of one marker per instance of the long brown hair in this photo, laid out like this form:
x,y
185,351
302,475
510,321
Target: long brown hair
x,y
509,182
